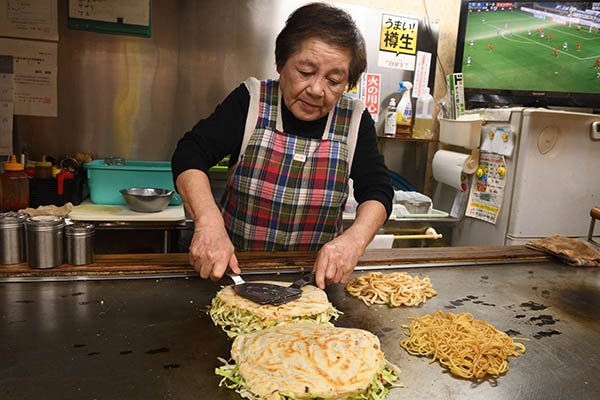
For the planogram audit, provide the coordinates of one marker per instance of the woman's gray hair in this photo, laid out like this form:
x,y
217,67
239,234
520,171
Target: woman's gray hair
x,y
329,24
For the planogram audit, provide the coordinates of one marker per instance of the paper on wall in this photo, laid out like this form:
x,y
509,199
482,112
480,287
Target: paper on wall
x,y
421,78
133,12
35,72
498,139
29,19
487,188
369,92
6,105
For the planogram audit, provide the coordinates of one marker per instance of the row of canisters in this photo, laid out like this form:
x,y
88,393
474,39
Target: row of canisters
x,y
44,241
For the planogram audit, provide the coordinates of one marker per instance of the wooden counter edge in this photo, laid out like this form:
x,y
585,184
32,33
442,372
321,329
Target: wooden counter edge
x,y
114,265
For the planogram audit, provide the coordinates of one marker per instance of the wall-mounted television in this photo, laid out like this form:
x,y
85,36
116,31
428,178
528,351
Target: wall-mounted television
x,y
530,53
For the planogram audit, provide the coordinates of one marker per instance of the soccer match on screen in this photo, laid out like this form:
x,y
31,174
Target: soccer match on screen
x,y
541,46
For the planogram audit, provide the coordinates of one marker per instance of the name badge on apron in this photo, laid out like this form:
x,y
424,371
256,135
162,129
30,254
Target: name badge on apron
x,y
300,157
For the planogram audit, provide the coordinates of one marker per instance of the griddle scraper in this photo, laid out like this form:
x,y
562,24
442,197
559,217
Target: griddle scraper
x,y
268,293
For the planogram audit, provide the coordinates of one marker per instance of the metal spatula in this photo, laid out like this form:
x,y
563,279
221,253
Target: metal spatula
x,y
267,293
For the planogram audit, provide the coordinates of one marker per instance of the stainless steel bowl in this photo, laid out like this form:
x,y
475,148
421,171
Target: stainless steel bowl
x,y
147,200
416,206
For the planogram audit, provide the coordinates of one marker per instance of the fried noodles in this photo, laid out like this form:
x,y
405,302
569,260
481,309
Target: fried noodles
x,y
468,347
395,289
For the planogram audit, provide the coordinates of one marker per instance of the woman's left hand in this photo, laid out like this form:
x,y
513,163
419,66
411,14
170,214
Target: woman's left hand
x,y
336,260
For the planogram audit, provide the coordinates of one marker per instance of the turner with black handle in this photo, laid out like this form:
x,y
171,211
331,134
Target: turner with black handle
x,y
268,293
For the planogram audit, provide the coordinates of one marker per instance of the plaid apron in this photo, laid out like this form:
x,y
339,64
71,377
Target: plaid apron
x,y
288,192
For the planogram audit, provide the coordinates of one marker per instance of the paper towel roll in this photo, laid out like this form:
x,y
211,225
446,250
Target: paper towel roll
x,y
450,167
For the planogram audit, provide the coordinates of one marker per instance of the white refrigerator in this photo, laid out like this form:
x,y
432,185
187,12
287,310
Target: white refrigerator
x,y
552,179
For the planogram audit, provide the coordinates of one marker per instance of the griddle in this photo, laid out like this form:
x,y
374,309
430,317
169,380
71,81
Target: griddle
x,y
152,338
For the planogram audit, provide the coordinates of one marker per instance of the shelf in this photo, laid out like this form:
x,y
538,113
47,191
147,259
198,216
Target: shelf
x,y
408,139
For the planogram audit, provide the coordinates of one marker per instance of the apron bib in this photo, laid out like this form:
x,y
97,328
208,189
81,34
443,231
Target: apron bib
x,y
287,192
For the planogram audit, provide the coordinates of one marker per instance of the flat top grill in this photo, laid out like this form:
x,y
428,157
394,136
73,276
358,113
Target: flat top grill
x,y
151,338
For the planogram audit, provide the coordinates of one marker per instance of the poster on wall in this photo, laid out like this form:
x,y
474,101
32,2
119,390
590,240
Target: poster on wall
x,y
421,77
29,19
34,76
370,92
398,42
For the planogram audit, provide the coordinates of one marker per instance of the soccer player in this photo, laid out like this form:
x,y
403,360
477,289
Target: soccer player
x,y
469,60
597,62
472,43
565,45
489,47
529,32
549,36
578,47
555,52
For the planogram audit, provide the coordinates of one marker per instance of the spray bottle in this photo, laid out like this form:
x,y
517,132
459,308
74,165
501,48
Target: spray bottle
x,y
404,118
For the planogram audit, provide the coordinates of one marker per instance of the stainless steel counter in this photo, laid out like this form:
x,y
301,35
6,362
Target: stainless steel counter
x,y
151,339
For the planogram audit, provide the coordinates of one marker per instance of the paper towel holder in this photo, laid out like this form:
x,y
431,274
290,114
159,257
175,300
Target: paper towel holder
x,y
473,162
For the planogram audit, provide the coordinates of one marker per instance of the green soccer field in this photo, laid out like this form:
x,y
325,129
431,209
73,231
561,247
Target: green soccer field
x,y
520,59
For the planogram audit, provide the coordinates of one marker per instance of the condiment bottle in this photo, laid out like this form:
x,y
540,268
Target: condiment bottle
x,y
15,186
43,169
389,128
423,128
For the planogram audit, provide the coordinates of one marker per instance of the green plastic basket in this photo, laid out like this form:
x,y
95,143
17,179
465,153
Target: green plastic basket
x,y
105,181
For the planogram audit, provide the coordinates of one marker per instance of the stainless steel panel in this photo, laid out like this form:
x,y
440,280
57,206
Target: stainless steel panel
x,y
134,97
151,339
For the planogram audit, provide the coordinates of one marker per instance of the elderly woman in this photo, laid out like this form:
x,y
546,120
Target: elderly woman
x,y
294,144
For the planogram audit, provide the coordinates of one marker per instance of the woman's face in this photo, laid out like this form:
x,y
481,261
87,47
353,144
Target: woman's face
x,y
314,78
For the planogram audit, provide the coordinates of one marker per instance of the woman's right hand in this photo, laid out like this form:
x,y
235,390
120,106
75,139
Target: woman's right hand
x,y
211,250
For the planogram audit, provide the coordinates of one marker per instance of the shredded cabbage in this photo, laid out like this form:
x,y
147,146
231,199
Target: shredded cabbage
x,y
235,321
383,381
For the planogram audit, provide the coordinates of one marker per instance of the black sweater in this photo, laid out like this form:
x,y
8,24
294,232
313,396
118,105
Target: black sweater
x,y
221,134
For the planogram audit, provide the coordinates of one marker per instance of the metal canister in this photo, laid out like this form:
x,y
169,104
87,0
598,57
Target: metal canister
x,y
44,241
12,238
80,243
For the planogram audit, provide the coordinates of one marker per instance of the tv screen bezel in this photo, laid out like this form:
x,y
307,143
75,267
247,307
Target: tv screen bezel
x,y
482,97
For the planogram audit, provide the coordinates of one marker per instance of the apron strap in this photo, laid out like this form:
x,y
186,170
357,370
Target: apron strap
x,y
253,86
358,107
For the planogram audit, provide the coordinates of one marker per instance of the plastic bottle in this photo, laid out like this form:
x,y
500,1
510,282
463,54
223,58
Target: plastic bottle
x,y
15,186
389,128
43,169
423,128
404,117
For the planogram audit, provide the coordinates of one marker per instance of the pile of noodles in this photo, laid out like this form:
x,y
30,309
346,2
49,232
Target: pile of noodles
x,y
395,289
468,347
